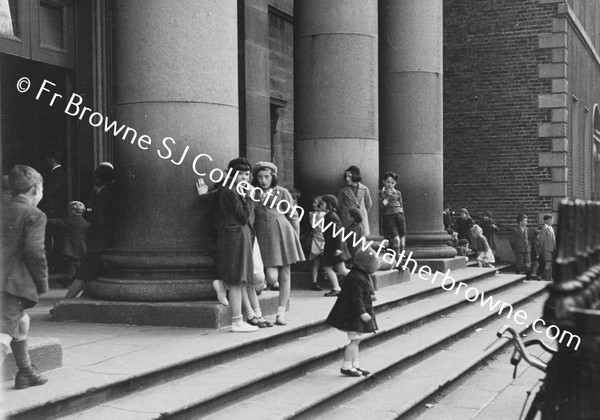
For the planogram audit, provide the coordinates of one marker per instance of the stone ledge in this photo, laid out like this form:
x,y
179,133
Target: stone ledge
x,y
45,353
200,314
442,264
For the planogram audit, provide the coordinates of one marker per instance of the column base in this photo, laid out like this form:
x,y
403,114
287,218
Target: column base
x,y
429,245
173,314
154,276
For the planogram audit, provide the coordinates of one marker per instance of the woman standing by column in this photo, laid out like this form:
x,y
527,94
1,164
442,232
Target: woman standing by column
x,y
277,232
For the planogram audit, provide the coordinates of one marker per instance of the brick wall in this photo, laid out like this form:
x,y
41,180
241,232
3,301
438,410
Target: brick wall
x,y
491,112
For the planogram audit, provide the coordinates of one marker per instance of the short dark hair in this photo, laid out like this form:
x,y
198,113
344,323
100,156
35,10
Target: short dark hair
x,y
274,177
521,216
355,172
240,164
330,200
548,217
390,174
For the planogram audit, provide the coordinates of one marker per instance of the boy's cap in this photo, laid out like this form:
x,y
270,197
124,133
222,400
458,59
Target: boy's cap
x,y
487,213
366,260
76,207
450,231
463,242
465,211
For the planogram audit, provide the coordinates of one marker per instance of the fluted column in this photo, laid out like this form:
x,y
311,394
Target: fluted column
x,y
175,76
411,117
335,94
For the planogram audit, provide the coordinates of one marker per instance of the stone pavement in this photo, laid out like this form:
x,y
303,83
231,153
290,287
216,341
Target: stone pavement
x,y
491,393
96,354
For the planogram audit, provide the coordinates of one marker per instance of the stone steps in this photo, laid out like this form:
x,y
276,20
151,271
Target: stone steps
x,y
311,345
422,362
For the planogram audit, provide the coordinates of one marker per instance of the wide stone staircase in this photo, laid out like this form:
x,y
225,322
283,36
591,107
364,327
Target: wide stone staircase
x,y
428,339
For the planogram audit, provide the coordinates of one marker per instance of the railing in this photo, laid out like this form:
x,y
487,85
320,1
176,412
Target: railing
x,y
573,375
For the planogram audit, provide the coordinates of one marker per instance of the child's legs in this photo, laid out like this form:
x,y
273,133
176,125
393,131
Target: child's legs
x,y
341,268
315,270
395,244
285,284
74,289
351,351
235,301
332,277
272,275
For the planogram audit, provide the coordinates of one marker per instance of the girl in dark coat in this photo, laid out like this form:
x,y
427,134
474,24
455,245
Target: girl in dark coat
x,y
333,249
353,309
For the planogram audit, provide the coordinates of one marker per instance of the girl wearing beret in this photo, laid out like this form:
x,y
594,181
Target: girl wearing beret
x,y
277,231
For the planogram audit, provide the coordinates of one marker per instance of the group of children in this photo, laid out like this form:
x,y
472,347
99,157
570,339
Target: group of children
x,y
534,251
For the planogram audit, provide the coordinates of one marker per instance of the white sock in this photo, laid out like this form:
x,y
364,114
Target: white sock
x,y
237,320
250,314
355,364
346,365
258,312
281,311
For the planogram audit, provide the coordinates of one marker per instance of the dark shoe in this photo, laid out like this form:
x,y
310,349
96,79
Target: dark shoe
x,y
350,372
332,293
362,371
315,286
275,287
27,377
260,323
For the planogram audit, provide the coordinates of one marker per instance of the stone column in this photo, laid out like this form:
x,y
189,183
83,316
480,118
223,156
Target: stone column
x,y
335,94
256,81
411,117
175,78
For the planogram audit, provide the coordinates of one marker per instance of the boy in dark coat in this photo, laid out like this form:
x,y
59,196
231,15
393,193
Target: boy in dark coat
x,y
519,242
74,230
353,309
24,268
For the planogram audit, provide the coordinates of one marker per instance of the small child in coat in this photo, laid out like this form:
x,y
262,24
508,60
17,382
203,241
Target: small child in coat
x,y
333,249
318,241
74,229
353,309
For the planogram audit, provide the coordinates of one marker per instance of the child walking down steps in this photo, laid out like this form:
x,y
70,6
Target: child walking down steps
x,y
353,309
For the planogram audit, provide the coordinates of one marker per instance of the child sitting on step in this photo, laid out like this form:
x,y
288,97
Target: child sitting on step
x,y
353,309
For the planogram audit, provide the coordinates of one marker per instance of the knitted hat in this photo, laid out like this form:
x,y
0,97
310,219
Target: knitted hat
x,y
76,207
105,173
465,211
263,165
366,260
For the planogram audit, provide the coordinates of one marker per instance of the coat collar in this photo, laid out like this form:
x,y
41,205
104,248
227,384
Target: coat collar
x,y
359,193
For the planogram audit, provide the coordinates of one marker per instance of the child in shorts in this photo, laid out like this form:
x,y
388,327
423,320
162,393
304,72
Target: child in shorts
x,y
24,268
353,309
